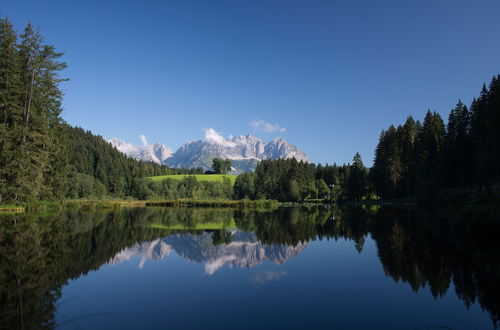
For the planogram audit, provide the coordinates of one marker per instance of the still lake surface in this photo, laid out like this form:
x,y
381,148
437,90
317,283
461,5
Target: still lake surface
x,y
292,268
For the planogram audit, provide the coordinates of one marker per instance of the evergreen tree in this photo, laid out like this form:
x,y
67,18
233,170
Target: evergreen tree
x,y
409,133
388,169
293,191
485,134
430,147
458,147
34,107
323,189
244,186
356,186
10,108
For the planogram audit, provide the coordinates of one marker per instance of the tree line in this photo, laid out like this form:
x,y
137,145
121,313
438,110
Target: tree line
x,y
294,181
42,157
424,159
417,159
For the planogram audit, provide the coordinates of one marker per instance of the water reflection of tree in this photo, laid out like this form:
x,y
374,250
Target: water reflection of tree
x,y
38,255
436,250
27,292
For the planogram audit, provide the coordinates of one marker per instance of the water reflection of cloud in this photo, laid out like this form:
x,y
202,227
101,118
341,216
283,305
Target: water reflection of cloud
x,y
215,264
266,276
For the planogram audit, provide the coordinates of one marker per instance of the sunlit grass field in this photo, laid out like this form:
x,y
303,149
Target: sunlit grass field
x,y
199,177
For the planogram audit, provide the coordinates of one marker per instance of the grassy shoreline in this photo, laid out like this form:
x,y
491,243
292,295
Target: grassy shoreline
x,y
46,206
116,204
11,209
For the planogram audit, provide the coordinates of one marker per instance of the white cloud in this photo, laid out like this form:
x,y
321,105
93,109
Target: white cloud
x,y
263,126
212,136
149,152
144,140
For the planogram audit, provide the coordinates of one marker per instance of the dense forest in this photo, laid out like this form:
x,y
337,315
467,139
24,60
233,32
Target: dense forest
x,y
97,169
290,180
425,159
41,156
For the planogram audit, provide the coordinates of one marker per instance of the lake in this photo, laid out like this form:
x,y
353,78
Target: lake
x,y
292,268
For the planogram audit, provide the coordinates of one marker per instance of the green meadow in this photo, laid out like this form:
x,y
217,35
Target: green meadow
x,y
199,177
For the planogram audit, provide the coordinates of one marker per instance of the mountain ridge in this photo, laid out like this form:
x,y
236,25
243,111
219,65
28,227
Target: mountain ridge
x,y
245,151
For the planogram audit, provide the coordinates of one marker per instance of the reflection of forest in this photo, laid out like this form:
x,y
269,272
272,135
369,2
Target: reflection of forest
x,y
39,254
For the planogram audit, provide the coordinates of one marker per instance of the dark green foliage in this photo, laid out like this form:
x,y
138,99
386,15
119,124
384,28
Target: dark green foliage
x,y
283,179
293,191
485,134
91,156
221,237
31,159
424,159
288,180
458,155
244,186
430,150
395,162
356,187
221,166
323,189
41,157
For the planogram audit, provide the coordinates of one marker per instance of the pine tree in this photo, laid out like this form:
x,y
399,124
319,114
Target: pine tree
x,y
408,136
494,106
323,189
10,109
356,186
430,146
458,149
31,105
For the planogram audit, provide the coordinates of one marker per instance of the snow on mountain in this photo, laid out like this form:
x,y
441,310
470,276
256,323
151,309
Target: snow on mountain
x,y
155,152
245,250
244,151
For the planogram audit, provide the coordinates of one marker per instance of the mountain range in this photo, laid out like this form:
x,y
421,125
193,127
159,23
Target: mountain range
x,y
245,151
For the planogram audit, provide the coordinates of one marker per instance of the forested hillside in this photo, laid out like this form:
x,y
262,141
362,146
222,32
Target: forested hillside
x,y
423,159
42,157
96,168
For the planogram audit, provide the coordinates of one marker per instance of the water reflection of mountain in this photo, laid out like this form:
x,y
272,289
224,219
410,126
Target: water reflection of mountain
x,y
244,250
154,250
39,254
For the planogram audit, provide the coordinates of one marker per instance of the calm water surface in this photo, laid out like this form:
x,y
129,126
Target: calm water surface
x,y
293,268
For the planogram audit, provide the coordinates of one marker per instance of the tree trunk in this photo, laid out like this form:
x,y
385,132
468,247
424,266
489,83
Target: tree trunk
x,y
28,104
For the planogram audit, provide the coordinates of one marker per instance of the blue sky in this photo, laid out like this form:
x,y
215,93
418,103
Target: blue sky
x,y
327,75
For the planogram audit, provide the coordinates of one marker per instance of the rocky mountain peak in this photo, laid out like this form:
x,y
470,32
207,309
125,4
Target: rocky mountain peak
x,y
245,151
